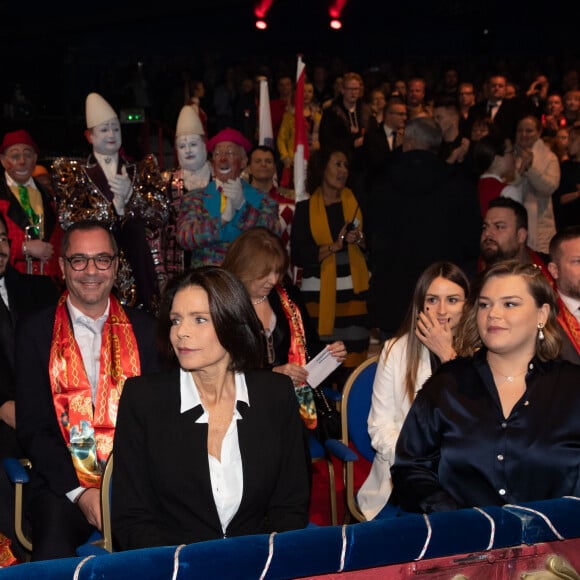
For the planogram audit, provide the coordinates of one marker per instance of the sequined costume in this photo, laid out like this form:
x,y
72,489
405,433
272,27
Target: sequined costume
x,y
83,192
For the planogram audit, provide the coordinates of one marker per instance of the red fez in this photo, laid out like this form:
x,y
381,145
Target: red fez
x,y
20,137
232,135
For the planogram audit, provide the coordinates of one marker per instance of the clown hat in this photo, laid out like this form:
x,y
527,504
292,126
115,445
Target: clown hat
x,y
188,122
20,137
229,134
98,111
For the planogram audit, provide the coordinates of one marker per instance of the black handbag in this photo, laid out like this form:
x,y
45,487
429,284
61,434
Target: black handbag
x,y
329,423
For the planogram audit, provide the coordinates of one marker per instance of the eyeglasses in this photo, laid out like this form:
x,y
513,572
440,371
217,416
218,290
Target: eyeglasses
x,y
79,263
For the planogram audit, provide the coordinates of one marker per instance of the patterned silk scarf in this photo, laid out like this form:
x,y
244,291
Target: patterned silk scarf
x,y
322,236
297,354
89,431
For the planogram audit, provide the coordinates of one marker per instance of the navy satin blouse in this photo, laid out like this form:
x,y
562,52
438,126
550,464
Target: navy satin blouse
x,y
456,449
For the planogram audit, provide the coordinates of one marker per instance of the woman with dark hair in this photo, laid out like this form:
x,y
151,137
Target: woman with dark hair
x,y
499,424
328,243
258,258
424,341
214,448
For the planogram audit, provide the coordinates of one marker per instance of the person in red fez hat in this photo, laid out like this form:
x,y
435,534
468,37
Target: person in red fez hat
x,y
212,217
26,204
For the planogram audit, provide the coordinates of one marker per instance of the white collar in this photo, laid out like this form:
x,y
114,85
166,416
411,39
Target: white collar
x,y
102,159
572,304
190,395
12,183
75,313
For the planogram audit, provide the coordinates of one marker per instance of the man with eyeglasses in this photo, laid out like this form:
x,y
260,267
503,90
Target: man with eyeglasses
x,y
212,217
71,365
20,295
26,205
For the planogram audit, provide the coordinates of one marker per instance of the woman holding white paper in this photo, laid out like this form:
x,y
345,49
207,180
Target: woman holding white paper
x,y
259,259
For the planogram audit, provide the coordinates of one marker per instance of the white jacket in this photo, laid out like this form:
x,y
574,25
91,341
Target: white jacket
x,y
537,185
389,407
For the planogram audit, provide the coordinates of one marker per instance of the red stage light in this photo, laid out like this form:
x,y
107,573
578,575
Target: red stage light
x,y
261,24
335,24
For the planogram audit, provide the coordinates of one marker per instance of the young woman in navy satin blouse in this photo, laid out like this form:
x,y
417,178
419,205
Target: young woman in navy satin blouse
x,y
500,425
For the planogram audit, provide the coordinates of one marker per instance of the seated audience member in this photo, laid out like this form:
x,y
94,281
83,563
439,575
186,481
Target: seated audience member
x,y
214,447
564,266
66,402
499,424
258,258
504,236
27,207
566,199
424,341
493,157
20,294
212,217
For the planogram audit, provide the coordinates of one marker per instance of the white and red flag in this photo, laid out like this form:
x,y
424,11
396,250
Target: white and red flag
x,y
265,132
300,139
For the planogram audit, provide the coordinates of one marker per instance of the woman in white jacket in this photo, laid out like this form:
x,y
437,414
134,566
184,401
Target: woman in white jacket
x,y
538,176
424,341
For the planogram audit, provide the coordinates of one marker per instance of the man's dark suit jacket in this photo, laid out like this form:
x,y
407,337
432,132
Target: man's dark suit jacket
x,y
161,483
506,118
26,293
36,422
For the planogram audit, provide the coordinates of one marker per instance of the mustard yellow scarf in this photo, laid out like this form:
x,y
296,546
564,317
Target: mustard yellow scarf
x,y
323,237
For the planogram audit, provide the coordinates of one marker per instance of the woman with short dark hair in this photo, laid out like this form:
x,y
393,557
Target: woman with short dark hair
x,y
214,448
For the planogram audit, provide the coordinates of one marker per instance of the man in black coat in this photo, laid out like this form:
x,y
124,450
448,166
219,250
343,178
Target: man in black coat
x,y
20,294
71,364
420,211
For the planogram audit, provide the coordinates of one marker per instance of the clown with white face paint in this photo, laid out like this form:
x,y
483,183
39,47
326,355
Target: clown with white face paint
x,y
211,218
193,173
129,197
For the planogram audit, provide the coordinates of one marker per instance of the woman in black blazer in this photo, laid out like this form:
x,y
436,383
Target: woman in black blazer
x,y
214,448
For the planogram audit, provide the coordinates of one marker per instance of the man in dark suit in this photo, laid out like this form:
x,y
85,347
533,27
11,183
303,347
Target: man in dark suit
x,y
20,294
504,113
71,365
420,211
563,265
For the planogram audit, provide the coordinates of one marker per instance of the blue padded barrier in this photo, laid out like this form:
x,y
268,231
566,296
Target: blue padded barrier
x,y
328,549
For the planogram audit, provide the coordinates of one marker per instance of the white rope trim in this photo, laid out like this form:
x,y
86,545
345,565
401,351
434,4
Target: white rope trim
x,y
80,565
543,516
427,539
492,525
343,549
176,561
571,497
270,555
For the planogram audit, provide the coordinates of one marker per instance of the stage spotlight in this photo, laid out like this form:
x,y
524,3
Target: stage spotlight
x,y
261,24
335,24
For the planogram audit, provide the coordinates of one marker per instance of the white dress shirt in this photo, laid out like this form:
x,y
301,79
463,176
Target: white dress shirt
x,y
227,477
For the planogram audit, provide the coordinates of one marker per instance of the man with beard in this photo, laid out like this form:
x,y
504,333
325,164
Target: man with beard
x,y
212,217
564,266
504,235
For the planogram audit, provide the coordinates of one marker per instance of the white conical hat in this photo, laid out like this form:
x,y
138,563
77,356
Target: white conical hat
x,y
98,111
188,122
